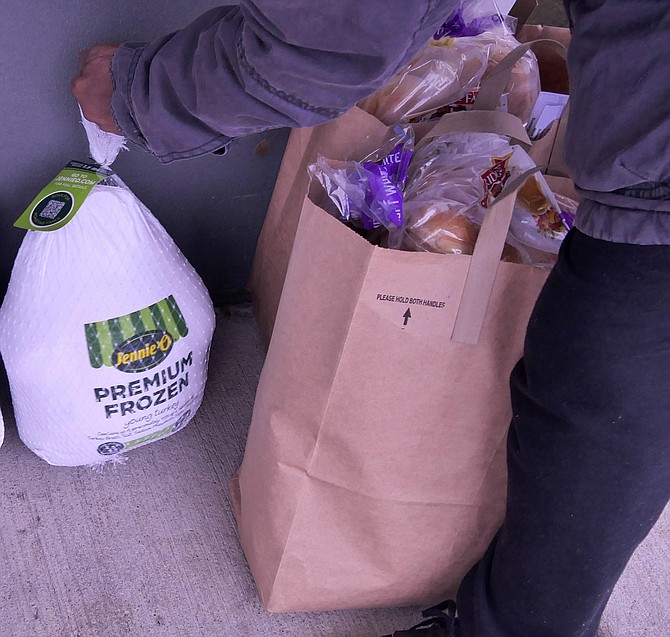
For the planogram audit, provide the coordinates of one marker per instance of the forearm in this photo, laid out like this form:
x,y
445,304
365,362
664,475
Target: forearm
x,y
240,70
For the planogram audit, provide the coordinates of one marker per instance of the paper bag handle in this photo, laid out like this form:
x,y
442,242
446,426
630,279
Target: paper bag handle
x,y
493,87
522,10
485,261
481,122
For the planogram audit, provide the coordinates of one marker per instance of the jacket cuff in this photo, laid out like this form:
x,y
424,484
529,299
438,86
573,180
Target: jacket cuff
x,y
623,225
123,70
124,64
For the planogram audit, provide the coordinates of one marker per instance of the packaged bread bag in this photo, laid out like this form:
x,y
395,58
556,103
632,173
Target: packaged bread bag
x,y
367,194
105,329
452,181
433,196
445,74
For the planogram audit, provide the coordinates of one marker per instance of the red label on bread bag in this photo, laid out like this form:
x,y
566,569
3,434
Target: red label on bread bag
x,y
495,178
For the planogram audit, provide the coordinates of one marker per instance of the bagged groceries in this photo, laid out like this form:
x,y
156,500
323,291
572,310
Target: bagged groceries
x,y
523,87
437,77
105,329
374,473
451,180
273,251
455,178
446,73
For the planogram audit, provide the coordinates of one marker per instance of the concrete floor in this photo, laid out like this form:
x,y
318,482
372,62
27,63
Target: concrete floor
x,y
150,549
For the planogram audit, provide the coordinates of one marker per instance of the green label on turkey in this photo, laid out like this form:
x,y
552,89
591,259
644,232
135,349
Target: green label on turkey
x,y
58,202
137,341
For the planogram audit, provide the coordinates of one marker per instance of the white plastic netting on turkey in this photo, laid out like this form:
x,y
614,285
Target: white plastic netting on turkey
x,y
105,331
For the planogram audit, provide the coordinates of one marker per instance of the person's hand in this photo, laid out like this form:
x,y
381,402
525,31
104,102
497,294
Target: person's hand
x,y
93,86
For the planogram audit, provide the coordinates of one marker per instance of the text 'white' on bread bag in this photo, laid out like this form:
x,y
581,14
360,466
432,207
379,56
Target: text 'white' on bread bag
x,y
105,329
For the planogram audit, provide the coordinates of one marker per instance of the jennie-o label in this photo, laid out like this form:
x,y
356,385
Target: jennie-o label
x,y
147,401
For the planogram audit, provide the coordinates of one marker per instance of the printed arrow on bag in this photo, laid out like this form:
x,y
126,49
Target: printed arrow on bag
x,y
407,316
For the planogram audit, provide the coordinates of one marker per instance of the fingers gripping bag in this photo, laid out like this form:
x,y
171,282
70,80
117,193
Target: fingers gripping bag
x,y
105,329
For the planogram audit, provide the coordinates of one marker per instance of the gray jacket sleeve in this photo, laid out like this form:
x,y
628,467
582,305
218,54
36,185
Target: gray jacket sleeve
x,y
260,65
618,138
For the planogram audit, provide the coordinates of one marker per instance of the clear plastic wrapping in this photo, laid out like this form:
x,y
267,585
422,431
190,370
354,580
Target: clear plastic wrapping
x,y
368,195
472,17
453,179
447,72
436,77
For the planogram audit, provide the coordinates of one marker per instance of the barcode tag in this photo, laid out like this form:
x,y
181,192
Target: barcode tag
x,y
58,202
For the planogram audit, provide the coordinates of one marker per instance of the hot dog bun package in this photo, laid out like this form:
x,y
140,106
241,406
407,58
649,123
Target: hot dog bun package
x,y
446,73
105,329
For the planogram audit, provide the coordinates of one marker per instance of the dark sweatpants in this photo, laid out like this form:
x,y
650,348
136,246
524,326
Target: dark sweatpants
x,y
588,448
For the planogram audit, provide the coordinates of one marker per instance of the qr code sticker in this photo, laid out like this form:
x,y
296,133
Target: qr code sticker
x,y
52,209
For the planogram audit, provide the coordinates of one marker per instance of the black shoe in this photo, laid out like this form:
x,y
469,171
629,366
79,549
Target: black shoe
x,y
441,622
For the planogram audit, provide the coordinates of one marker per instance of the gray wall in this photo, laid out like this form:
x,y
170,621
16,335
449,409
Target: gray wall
x,y
212,206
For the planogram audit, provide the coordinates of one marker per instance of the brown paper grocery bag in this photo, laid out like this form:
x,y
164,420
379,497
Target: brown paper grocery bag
x,y
374,473
553,71
352,136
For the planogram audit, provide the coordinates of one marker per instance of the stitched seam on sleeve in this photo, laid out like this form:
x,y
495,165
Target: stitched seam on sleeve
x,y
287,97
132,68
217,139
296,101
